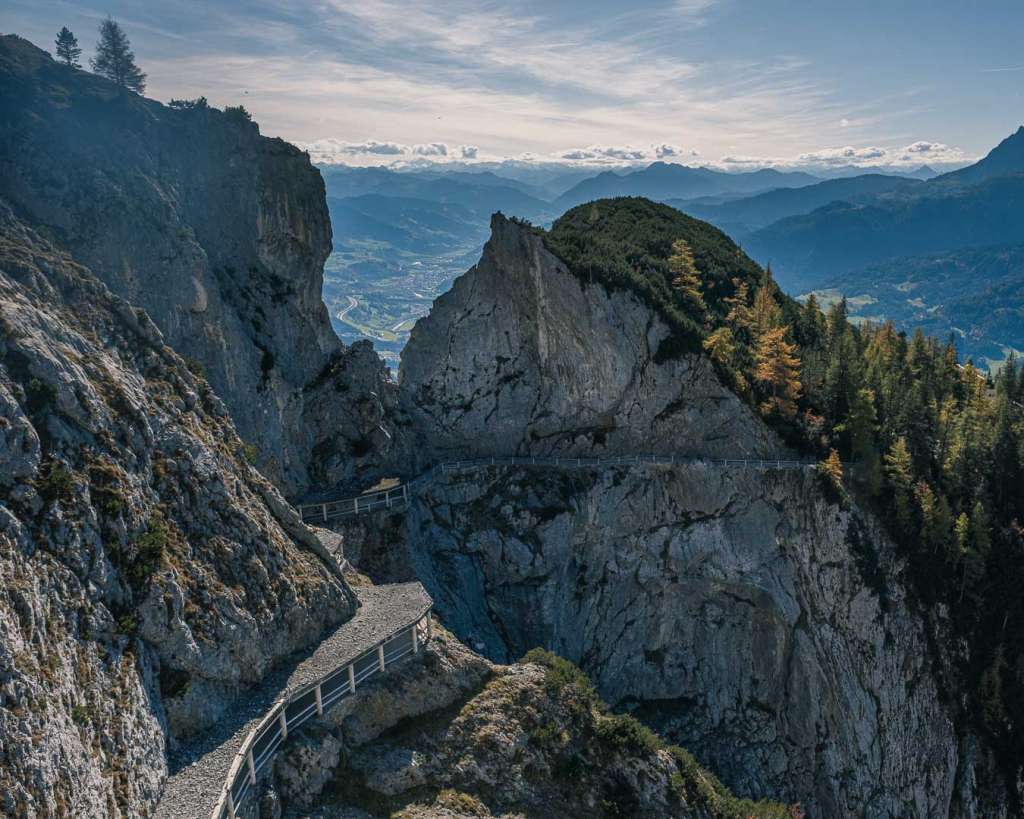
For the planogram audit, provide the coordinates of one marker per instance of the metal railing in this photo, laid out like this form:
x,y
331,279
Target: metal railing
x,y
397,497
298,706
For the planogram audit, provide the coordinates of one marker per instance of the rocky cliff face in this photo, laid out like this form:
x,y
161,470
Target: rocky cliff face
x,y
456,736
147,572
521,357
219,233
750,616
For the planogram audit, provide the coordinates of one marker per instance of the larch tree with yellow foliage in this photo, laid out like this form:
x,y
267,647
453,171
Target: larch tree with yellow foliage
x,y
686,279
777,370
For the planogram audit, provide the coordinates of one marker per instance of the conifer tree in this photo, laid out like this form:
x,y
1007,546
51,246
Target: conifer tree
x,y
115,59
720,345
899,468
832,468
740,316
766,313
778,371
67,48
686,277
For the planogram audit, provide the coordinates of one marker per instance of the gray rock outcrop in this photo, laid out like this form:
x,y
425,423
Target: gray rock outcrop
x,y
220,234
148,573
522,357
748,615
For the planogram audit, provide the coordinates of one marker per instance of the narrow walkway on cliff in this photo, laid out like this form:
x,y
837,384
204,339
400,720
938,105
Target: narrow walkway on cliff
x,y
397,496
213,774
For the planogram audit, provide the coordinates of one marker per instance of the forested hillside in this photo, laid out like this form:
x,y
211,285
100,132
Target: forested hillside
x,y
931,444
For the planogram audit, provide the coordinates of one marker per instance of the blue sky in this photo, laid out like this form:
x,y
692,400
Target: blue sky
x,y
734,83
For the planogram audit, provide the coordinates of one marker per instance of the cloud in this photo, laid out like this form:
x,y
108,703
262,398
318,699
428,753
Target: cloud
x,y
512,78
847,155
613,154
867,157
382,148
431,149
332,150
926,147
604,152
664,151
469,151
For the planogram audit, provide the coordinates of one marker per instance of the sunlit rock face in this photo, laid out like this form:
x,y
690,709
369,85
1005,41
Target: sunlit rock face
x,y
749,615
148,573
521,357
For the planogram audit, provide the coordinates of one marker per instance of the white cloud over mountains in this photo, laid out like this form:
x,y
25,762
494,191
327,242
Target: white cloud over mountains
x,y
909,156
938,154
339,151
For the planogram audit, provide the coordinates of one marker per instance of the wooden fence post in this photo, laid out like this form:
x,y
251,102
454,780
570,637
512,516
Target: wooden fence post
x,y
352,678
380,656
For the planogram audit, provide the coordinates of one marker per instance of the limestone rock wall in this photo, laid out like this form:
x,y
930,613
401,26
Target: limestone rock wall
x,y
148,573
521,357
219,233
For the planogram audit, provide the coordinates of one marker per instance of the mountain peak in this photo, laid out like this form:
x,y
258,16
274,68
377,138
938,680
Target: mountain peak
x,y
1006,158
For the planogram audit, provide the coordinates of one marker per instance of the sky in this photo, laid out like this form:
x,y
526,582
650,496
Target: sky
x,y
727,83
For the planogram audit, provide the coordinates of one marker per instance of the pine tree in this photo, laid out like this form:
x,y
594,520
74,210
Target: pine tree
x,y
778,370
740,316
687,278
67,48
899,467
115,60
766,313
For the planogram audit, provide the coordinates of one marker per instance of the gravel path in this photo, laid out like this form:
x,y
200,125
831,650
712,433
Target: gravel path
x,y
199,769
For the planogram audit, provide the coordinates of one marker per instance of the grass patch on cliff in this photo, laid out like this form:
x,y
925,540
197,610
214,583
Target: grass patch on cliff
x,y
55,482
624,735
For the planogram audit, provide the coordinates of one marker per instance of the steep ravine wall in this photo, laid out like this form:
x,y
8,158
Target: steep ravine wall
x,y
742,614
747,615
220,234
148,573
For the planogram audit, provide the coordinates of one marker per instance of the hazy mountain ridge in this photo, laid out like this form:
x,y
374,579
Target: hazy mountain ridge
x,y
741,216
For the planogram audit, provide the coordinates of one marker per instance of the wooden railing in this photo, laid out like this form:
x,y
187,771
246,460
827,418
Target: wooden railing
x,y
300,705
398,496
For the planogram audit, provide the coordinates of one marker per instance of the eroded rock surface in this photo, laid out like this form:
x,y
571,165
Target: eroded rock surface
x,y
220,234
748,615
455,736
148,573
522,357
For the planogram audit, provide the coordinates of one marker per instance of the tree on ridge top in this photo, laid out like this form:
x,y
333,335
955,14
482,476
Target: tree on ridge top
x,y
67,48
115,59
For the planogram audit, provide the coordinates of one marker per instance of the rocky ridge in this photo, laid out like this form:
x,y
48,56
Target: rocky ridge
x,y
457,736
755,618
148,573
522,357
220,234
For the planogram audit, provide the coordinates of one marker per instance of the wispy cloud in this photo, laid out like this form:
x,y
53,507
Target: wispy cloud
x,y
1001,70
484,79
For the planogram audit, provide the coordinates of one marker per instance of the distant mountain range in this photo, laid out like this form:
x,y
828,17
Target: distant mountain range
x,y
858,233
661,181
481,194
740,216
943,254
977,295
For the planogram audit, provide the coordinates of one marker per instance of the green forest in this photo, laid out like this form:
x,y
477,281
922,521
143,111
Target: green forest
x,y
927,441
